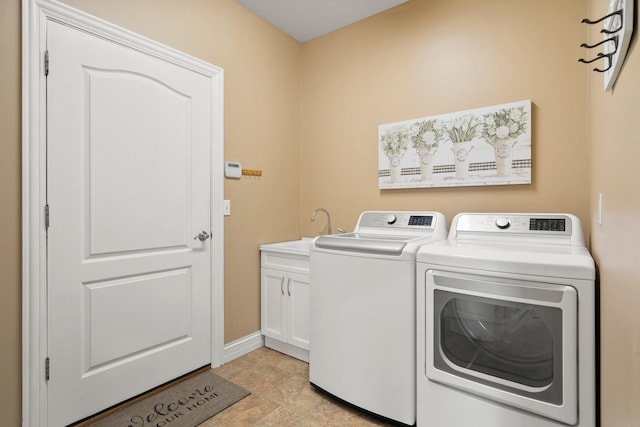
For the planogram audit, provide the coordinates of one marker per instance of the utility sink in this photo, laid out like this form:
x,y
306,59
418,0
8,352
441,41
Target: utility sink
x,y
299,247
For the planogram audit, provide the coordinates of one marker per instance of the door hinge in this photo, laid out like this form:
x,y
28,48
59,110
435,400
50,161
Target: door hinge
x,y
46,63
46,217
46,369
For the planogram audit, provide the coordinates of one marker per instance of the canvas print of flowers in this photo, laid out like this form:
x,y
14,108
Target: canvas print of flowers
x,y
483,146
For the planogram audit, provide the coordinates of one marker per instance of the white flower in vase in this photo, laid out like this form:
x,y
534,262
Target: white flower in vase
x,y
394,142
461,131
502,129
426,136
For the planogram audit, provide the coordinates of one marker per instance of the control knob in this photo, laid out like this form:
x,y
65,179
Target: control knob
x,y
503,223
391,219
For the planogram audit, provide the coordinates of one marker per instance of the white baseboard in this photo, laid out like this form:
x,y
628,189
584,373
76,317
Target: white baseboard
x,y
288,349
242,346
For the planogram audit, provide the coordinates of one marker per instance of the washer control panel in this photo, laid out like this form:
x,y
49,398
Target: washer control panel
x,y
414,220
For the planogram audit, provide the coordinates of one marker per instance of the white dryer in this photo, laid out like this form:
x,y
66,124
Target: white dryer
x,y
362,316
506,324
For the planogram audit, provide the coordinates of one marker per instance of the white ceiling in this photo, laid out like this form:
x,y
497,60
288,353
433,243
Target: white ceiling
x,y
307,19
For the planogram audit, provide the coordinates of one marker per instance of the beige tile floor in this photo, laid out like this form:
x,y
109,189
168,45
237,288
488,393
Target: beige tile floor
x,y
282,396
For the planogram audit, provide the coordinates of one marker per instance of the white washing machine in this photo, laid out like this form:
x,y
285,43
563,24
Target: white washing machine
x,y
362,315
506,324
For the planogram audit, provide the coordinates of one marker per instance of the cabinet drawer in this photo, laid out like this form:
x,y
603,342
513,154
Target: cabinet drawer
x,y
283,261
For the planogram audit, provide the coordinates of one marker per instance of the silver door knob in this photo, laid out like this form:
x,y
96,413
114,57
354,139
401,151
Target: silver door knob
x,y
202,236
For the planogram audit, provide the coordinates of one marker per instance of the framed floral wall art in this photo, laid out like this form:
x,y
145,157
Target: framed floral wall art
x,y
483,146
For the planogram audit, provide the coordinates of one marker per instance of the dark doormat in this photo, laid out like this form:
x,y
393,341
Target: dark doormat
x,y
185,404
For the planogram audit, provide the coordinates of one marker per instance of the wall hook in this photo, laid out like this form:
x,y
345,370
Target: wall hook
x,y
589,61
590,22
613,39
599,56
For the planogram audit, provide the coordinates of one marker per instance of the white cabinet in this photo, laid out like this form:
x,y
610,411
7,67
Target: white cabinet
x,y
285,307
285,299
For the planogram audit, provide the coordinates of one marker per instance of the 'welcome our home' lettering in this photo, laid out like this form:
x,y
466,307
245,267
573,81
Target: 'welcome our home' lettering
x,y
165,413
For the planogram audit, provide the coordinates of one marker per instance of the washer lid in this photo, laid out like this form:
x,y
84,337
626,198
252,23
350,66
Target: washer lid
x,y
365,243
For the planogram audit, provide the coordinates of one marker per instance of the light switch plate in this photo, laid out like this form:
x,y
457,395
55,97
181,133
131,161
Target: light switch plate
x,y
227,207
600,209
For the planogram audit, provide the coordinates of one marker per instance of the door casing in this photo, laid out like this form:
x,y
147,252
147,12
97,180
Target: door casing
x,y
35,14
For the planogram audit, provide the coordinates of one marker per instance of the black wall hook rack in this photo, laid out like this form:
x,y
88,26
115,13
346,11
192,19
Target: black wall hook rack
x,y
617,30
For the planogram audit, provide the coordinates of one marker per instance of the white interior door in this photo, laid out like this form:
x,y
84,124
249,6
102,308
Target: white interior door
x,y
128,188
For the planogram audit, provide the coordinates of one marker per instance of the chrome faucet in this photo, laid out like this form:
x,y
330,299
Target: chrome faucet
x,y
313,218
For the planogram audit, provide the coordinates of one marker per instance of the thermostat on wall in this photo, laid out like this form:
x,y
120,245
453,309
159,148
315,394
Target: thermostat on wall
x,y
232,169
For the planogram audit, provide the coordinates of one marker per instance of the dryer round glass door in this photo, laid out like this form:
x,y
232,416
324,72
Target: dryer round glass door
x,y
512,341
519,343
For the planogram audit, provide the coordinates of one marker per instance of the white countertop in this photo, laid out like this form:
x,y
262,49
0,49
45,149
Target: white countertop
x,y
299,247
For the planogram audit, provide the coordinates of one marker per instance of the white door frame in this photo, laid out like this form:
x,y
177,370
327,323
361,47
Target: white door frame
x,y
35,14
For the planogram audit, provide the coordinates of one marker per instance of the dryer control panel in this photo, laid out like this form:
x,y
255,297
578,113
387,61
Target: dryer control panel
x,y
548,224
534,224
511,223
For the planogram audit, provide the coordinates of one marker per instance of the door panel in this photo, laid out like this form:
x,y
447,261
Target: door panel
x,y
128,178
132,118
298,308
167,292
273,304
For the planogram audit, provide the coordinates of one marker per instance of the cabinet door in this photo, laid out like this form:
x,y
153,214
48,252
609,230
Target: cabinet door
x,y
297,290
273,304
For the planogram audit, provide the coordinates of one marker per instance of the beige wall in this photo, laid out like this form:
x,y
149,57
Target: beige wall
x,y
431,57
614,137
10,222
307,116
